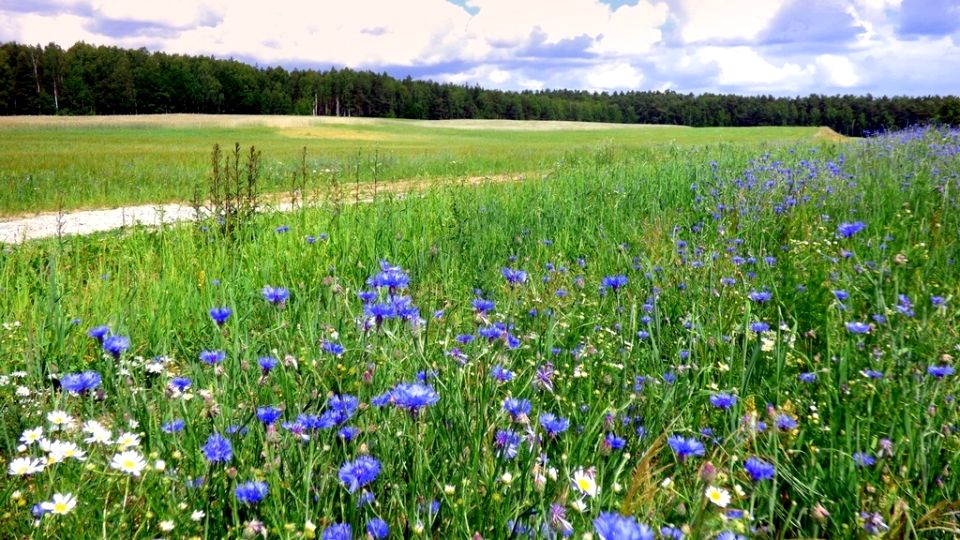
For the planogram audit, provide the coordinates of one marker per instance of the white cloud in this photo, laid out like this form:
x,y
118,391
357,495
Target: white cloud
x,y
707,20
618,76
744,67
837,71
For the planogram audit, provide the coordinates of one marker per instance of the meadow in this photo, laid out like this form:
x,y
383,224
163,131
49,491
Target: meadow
x,y
48,164
729,341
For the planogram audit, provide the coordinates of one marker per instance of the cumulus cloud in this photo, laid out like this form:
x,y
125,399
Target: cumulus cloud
x,y
746,46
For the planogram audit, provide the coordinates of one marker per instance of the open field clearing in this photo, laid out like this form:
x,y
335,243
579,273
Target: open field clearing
x,y
95,162
731,341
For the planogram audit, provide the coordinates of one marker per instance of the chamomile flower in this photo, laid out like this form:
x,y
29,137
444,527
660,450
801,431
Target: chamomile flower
x,y
128,440
61,450
60,505
585,483
31,436
130,462
718,496
25,466
59,419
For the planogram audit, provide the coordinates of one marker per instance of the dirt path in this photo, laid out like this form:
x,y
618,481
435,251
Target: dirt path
x,y
14,230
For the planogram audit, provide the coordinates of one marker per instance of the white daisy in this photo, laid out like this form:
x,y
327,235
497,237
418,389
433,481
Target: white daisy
x,y
25,466
585,483
718,496
128,440
130,462
61,504
31,436
66,450
60,419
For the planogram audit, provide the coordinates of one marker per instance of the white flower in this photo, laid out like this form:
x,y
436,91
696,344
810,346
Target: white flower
x,y
128,440
585,483
130,462
23,391
25,466
506,477
31,436
61,504
718,496
197,515
579,506
98,435
159,465
60,419
60,450
166,525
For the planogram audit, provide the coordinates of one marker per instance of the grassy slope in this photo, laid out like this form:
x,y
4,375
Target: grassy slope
x,y
111,161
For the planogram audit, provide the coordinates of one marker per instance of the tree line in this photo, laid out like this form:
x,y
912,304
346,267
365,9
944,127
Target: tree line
x,y
102,80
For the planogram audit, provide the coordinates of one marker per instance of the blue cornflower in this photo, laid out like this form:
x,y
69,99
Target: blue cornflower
x,y
220,315
863,459
905,305
785,422
612,442
501,374
174,426
553,424
266,363
507,443
730,535
212,357
348,433
98,332
358,473
723,400
855,327
331,347
684,447
78,383
760,297
180,383
282,229
846,230
367,296
614,282
275,295
463,339
251,492
759,327
808,377
611,526
338,531
759,469
482,305
514,277
115,345
269,415
217,449
390,277
413,396
872,374
672,533
728,281
940,371
937,301
841,295
377,528
517,407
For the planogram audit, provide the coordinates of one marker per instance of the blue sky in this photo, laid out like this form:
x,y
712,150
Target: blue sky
x,y
780,47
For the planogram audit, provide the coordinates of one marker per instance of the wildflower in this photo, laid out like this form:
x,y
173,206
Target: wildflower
x,y
553,424
507,443
167,525
251,492
718,496
501,374
684,447
33,435
212,357
268,415
841,295
723,401
940,371
174,426
79,383
873,523
197,515
482,305
846,230
612,442
855,327
180,384
60,419
330,347
937,301
128,440
115,345
611,526
760,297
614,282
672,533
130,462
785,422
220,315
872,374
98,333
60,450
413,396
730,535
377,528
863,459
514,277
759,469
362,471
266,363
24,466
275,295
517,408
558,520
585,482
217,449
60,505
338,531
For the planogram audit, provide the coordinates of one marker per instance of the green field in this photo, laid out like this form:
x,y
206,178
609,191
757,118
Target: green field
x,y
93,162
710,341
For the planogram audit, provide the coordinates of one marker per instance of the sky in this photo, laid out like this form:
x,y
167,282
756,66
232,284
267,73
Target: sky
x,y
779,47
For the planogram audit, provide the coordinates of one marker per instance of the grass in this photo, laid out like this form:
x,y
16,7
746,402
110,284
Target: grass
x,y
694,233
51,163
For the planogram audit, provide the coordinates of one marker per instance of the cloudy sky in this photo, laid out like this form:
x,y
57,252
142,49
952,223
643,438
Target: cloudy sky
x,y
782,47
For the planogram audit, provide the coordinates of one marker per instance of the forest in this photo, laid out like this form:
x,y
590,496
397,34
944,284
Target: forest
x,y
101,80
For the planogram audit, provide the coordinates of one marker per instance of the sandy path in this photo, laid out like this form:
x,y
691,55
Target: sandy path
x,y
19,229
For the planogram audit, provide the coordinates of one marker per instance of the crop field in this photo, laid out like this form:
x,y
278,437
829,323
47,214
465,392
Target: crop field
x,y
662,336
47,164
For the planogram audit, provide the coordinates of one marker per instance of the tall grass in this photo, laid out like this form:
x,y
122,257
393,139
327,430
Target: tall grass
x,y
694,232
